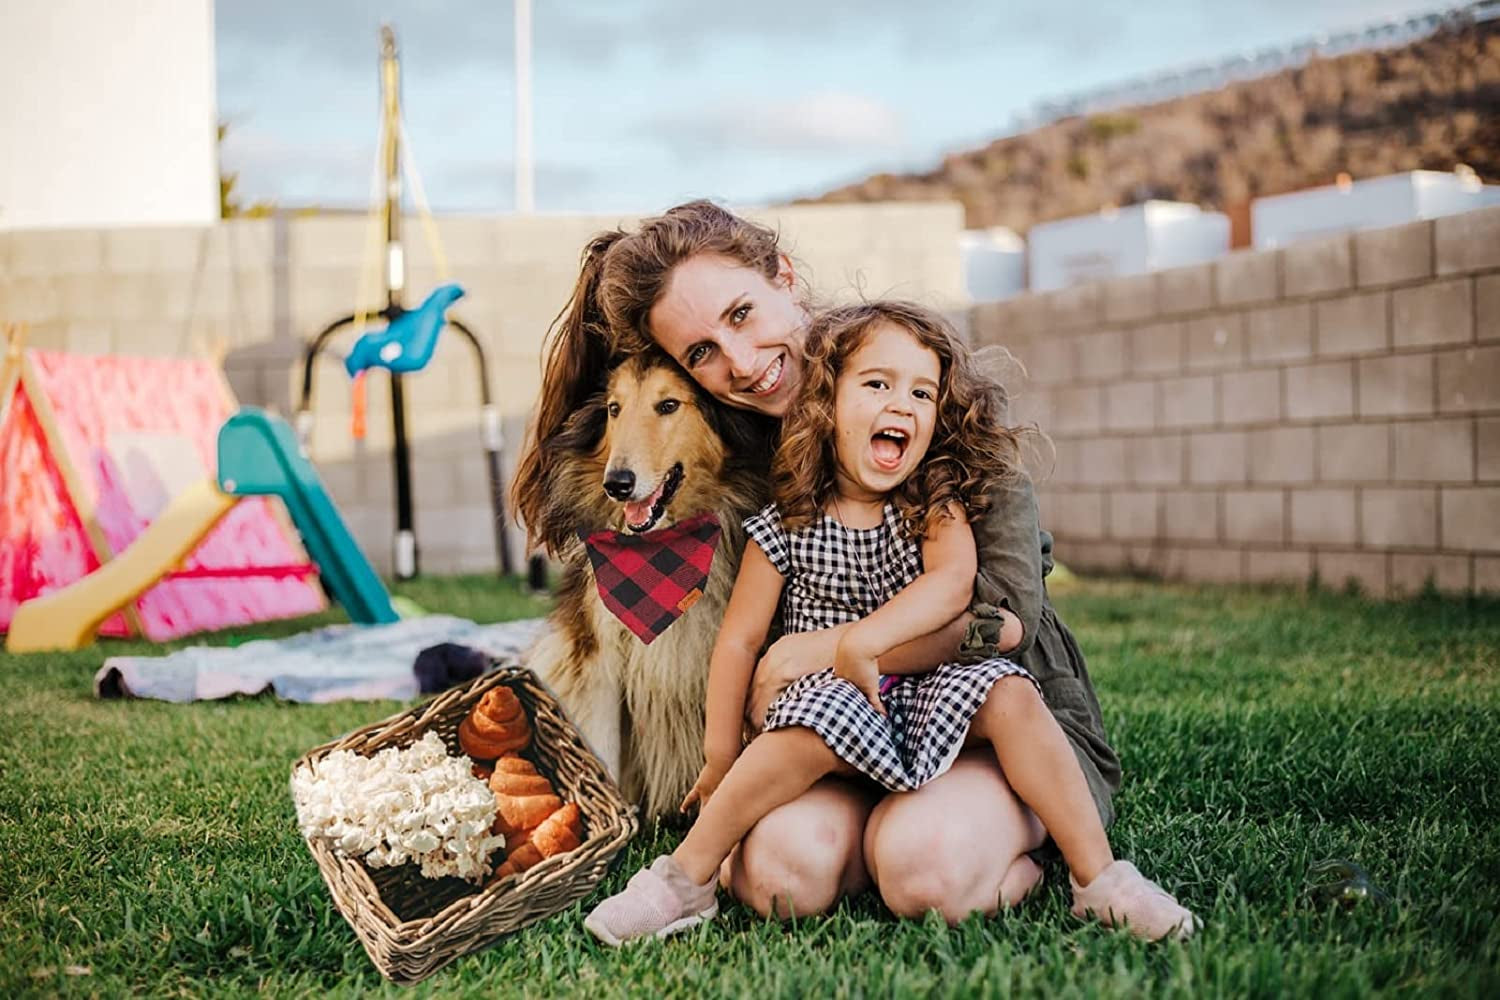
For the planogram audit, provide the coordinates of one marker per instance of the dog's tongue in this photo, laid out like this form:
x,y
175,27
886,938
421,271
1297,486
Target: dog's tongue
x,y
638,512
885,450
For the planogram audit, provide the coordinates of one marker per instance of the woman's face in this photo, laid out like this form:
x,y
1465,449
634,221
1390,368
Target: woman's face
x,y
737,333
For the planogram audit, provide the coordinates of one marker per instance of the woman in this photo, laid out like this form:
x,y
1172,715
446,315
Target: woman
x,y
716,293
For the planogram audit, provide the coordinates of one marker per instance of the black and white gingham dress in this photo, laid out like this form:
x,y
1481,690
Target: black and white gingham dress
x,y
836,575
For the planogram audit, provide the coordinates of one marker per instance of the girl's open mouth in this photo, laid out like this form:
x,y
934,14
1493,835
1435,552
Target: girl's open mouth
x,y
642,515
887,448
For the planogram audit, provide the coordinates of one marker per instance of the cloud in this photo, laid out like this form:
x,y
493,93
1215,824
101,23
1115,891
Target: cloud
x,y
826,122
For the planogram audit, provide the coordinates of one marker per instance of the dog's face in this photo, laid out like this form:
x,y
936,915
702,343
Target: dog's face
x,y
662,458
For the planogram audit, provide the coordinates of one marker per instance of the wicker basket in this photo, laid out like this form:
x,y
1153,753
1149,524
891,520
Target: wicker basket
x,y
412,926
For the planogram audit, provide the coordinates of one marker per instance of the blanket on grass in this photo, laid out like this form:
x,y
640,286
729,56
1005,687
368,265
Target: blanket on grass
x,y
336,663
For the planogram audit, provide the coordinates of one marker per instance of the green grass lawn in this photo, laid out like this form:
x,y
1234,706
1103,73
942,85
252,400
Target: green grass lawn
x,y
151,849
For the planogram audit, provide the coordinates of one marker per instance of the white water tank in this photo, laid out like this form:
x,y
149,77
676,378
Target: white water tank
x,y
1115,242
994,263
1280,219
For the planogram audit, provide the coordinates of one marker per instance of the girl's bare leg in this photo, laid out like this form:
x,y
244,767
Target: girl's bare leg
x,y
773,770
955,845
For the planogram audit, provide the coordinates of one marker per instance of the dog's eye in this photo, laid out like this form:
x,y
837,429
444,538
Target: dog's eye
x,y
613,409
667,406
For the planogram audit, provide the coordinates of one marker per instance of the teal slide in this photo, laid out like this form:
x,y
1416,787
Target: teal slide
x,y
258,456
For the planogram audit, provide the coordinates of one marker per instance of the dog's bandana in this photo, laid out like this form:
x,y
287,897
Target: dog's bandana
x,y
649,580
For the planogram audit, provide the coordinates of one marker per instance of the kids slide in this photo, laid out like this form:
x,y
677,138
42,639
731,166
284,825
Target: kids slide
x,y
69,618
258,456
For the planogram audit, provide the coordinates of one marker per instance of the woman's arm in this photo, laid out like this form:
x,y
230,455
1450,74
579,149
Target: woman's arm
x,y
752,605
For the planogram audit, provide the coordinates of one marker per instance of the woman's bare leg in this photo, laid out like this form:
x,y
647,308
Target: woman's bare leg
x,y
801,858
773,770
955,845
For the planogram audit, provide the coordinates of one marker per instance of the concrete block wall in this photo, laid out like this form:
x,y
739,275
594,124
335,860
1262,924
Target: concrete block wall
x,y
1329,409
265,287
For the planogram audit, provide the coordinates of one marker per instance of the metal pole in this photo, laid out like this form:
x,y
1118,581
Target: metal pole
x,y
405,550
525,193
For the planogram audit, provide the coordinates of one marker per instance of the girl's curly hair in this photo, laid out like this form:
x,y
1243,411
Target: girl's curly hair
x,y
971,447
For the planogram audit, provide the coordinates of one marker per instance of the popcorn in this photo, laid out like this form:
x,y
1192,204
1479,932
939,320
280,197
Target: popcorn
x,y
417,804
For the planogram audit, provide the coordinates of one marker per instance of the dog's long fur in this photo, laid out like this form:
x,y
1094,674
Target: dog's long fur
x,y
641,706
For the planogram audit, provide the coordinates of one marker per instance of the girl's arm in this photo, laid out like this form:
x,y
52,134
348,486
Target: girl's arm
x,y
929,603
752,605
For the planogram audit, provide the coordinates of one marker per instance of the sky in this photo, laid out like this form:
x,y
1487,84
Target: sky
x,y
641,104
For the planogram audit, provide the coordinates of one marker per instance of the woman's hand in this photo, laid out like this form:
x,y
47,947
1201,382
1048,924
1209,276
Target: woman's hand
x,y
714,769
859,665
790,657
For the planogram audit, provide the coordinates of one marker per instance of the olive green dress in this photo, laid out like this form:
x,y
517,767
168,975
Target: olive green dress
x,y
1015,554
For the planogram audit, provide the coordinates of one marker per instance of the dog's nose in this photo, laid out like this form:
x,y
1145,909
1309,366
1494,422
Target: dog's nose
x,y
619,483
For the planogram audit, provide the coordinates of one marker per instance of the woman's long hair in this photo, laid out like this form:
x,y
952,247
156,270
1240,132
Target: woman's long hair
x,y
971,447
620,278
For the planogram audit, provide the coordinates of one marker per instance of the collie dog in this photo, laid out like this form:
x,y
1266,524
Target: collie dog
x,y
650,451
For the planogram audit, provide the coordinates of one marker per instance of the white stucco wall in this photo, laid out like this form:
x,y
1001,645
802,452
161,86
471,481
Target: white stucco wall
x,y
108,116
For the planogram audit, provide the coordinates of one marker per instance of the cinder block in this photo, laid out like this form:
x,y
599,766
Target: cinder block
x,y
1435,451
1156,349
1487,307
1471,518
1280,333
1187,402
1191,516
1050,360
1468,242
328,241
1282,455
1368,570
1246,276
1130,406
1073,515
1311,267
1250,397
1216,341
1396,386
1324,517
1487,574
1031,404
1353,453
1100,557
1396,253
150,249
1278,567
1469,380
1441,312
1218,457
1076,410
1130,297
1211,565
1101,461
989,323
1101,355
1411,573
1488,429
1156,460
90,337
1076,307
1399,518
1354,324
29,300
1134,515
1320,392
1185,289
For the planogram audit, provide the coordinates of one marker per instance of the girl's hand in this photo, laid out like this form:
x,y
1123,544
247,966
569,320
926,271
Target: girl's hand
x,y
708,782
860,667
790,657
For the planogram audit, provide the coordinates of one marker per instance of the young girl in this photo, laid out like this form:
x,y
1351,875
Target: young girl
x,y
888,453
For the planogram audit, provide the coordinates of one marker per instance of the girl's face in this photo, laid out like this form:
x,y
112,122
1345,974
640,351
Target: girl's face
x,y
884,411
738,334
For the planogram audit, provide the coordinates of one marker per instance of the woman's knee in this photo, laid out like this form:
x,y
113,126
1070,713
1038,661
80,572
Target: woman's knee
x,y
803,856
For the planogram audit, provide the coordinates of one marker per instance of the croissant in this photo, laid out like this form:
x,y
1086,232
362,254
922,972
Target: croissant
x,y
497,725
523,798
559,832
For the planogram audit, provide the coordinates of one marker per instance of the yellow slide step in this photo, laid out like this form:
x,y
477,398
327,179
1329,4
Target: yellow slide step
x,y
69,618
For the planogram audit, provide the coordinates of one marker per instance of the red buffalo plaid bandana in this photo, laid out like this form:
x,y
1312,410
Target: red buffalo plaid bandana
x,y
649,580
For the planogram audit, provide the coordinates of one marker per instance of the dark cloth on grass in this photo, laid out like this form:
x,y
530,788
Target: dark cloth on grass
x,y
447,665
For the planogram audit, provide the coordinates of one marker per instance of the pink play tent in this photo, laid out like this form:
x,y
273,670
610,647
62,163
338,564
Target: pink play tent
x,y
93,448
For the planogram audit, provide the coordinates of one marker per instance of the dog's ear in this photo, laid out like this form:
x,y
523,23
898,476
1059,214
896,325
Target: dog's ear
x,y
747,436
